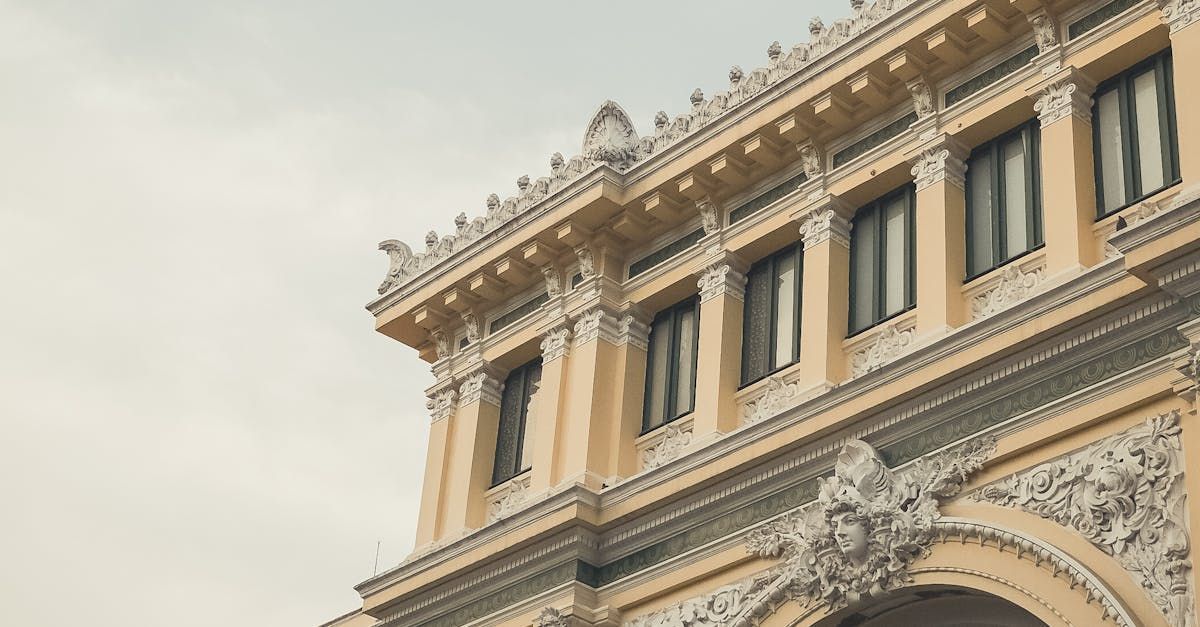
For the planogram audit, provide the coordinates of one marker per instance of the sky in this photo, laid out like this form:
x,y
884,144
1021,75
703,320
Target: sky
x,y
198,425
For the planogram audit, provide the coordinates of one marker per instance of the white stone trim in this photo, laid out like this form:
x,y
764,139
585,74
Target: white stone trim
x,y
824,224
1004,287
877,347
479,386
720,279
596,323
665,444
556,344
508,498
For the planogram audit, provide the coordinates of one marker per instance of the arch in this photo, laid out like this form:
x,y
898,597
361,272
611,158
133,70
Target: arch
x,y
977,555
936,606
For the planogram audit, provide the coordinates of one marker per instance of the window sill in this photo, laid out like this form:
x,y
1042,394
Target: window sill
x,y
867,330
976,278
1152,196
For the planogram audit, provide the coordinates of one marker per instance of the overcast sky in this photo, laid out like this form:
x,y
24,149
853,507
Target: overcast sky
x,y
199,426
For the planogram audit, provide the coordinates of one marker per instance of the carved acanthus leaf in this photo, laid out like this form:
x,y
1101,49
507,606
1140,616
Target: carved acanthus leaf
x,y
890,343
674,441
771,401
1125,495
556,343
1014,287
1060,100
509,501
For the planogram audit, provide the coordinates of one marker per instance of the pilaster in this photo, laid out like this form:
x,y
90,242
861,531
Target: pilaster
x,y
825,292
442,404
633,337
589,405
472,437
938,171
722,284
556,345
1182,17
1064,105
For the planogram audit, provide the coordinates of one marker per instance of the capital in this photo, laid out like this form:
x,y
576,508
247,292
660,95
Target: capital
x,y
1063,94
1178,14
556,343
722,278
942,158
633,328
826,221
482,384
596,323
441,404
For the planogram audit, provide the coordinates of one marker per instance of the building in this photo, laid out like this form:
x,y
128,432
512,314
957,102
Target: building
x,y
900,327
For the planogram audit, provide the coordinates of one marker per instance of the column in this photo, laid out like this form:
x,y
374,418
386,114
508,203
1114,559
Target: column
x,y
938,171
556,344
825,293
472,437
722,286
1064,106
590,404
1182,17
442,404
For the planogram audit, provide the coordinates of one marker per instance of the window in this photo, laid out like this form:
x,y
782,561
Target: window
x,y
1134,135
514,438
771,331
671,364
881,259
1004,199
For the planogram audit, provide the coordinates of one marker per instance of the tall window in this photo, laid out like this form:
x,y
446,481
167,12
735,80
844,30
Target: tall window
x,y
671,364
771,331
1004,199
514,439
1133,127
881,259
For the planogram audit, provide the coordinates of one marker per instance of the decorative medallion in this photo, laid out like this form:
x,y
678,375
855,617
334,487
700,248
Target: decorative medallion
x,y
611,138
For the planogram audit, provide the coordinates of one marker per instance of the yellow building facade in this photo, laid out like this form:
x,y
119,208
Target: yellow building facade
x,y
903,326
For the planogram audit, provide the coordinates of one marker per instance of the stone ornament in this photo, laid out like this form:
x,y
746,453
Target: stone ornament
x,y
471,322
773,399
554,286
479,387
810,161
587,262
937,164
441,343
720,279
1060,100
510,500
865,530
1125,495
596,323
1178,14
550,617
717,609
675,439
888,345
1014,287
556,344
821,225
632,331
1045,30
922,98
610,139
710,216
442,404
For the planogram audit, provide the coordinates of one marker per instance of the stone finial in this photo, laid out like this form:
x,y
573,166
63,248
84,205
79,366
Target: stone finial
x,y
774,50
660,120
611,137
697,97
816,27
493,203
460,220
735,75
856,5
556,163
523,183
431,240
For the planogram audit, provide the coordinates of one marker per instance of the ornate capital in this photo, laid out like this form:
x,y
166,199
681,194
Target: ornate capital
x,y
633,330
824,224
556,344
942,161
1125,495
1178,14
596,323
721,279
1066,93
479,386
442,404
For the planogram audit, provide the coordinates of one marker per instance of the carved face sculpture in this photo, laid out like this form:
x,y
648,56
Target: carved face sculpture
x,y
850,532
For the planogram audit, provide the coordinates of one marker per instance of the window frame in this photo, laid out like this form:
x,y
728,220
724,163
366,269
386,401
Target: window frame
x,y
771,262
522,465
1162,64
671,394
874,209
1030,133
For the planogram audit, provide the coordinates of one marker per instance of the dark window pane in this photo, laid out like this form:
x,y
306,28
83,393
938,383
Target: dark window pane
x,y
757,336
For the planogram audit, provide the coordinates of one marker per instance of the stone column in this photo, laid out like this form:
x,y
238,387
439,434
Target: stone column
x,y
940,257
556,345
825,293
629,390
472,437
1183,19
1064,106
722,286
442,404
590,405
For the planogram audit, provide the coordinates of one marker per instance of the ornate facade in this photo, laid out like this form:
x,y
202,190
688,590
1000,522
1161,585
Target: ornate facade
x,y
902,325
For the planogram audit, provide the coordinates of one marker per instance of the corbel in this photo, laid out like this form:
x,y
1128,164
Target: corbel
x,y
764,150
485,286
731,167
697,184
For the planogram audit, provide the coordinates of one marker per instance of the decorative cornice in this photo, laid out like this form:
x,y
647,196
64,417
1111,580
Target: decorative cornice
x,y
1067,93
556,344
442,404
596,323
720,279
1014,286
674,440
824,224
612,140
940,160
1178,14
1125,495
